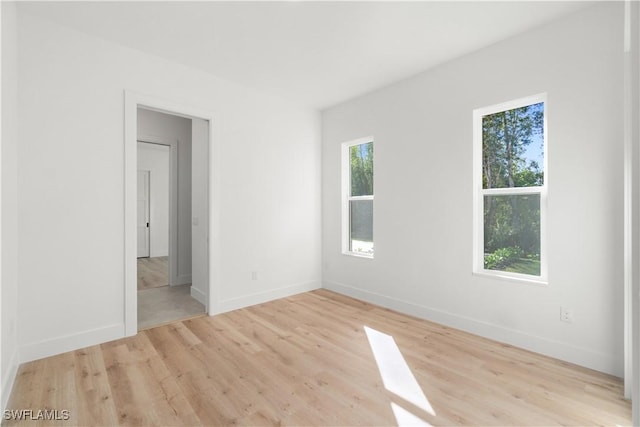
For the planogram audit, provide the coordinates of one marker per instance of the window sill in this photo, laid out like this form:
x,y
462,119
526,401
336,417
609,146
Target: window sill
x,y
358,255
514,277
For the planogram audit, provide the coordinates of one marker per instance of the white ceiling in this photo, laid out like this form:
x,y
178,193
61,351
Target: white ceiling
x,y
315,53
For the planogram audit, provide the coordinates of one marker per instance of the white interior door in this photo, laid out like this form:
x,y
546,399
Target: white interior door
x,y
143,214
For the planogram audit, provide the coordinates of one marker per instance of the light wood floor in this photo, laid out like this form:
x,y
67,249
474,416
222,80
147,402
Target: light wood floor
x,y
307,360
153,272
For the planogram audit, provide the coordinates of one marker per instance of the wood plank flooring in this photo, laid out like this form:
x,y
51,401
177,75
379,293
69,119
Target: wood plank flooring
x,y
307,360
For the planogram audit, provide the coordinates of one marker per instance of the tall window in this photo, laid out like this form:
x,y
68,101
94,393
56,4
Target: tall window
x,y
357,194
510,189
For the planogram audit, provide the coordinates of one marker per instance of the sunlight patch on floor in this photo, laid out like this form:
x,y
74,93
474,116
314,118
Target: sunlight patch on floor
x,y
406,418
397,377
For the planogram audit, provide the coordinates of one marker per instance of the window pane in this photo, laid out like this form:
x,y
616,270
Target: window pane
x,y
513,147
361,167
512,233
361,238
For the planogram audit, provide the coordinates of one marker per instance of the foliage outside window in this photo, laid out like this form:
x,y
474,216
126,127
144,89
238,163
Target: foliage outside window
x,y
510,141
357,160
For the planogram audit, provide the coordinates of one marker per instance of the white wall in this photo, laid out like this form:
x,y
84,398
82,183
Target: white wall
x,y
424,201
155,159
71,167
9,214
168,127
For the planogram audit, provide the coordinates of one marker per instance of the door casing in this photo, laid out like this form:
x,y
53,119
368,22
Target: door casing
x,y
133,100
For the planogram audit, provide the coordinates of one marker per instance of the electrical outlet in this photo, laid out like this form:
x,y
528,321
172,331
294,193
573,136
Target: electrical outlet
x,y
566,314
254,275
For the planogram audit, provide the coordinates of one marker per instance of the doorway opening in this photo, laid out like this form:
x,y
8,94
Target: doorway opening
x,y
164,297
167,213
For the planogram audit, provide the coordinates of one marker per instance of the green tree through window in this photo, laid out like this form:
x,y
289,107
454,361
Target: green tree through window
x,y
512,147
513,166
359,160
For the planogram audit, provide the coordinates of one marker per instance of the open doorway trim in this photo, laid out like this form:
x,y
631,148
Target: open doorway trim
x,y
132,101
632,207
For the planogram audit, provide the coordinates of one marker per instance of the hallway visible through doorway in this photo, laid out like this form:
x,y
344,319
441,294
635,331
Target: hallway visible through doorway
x,y
153,272
159,303
172,218
154,128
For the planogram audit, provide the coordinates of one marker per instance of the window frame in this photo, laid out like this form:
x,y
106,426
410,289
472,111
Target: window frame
x,y
479,192
347,198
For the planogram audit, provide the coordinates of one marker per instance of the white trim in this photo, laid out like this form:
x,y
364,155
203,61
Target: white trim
x,y
634,11
358,255
358,141
198,296
629,186
3,394
173,201
632,208
479,193
556,349
132,101
262,297
345,174
509,276
514,191
9,379
511,105
59,345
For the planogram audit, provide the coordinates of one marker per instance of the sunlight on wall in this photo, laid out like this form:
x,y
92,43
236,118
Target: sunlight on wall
x,y
397,377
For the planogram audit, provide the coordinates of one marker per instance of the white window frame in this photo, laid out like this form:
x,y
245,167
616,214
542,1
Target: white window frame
x,y
346,196
479,193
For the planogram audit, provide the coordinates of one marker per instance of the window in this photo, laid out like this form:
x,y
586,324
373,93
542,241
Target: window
x,y
357,194
510,189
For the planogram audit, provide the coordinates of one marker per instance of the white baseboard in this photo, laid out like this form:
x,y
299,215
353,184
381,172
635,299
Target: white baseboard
x,y
156,254
182,279
199,296
9,379
66,343
558,350
262,297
